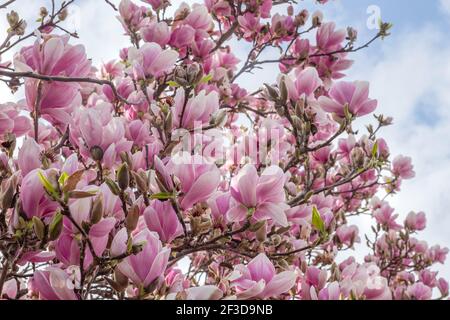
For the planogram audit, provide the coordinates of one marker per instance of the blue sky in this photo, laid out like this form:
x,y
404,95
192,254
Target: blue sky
x,y
409,74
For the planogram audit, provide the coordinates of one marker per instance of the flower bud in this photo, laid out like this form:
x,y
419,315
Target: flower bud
x,y
55,227
261,233
112,186
39,228
13,18
123,177
43,12
97,209
357,156
132,218
96,153
63,14
194,73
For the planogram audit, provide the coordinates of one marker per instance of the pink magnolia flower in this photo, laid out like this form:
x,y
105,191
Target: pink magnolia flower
x,y
9,289
403,168
12,122
442,285
197,110
54,284
199,18
146,266
264,194
259,279
182,36
306,83
328,38
347,234
206,292
29,156
33,197
158,32
67,247
419,291
151,60
354,95
53,56
416,221
160,217
199,179
249,24
96,127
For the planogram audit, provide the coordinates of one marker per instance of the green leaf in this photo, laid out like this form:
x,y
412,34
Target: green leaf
x,y
47,185
62,179
161,196
375,150
206,79
173,84
55,227
317,220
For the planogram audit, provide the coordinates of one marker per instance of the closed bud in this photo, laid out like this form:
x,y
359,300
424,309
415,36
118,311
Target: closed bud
x,y
120,279
219,118
271,92
123,177
261,233
317,19
357,156
283,91
296,122
141,181
168,123
125,157
39,228
112,186
96,153
300,107
63,14
55,227
132,218
13,18
7,194
194,73
97,209
43,12
180,76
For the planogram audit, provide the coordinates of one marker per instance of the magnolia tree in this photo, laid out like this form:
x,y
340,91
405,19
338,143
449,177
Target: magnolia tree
x,y
158,175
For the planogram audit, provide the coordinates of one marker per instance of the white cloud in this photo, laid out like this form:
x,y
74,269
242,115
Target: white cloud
x,y
411,80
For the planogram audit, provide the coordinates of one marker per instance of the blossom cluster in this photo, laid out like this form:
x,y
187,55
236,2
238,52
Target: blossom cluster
x,y
158,175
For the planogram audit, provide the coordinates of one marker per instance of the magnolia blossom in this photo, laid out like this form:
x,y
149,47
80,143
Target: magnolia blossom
x,y
53,56
264,195
160,217
351,95
146,266
54,284
151,60
160,174
259,279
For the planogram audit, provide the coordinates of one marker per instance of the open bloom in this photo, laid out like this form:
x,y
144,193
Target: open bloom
x,y
264,194
306,83
12,122
161,218
403,168
33,197
199,179
351,95
197,110
146,266
151,60
54,57
54,284
259,279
